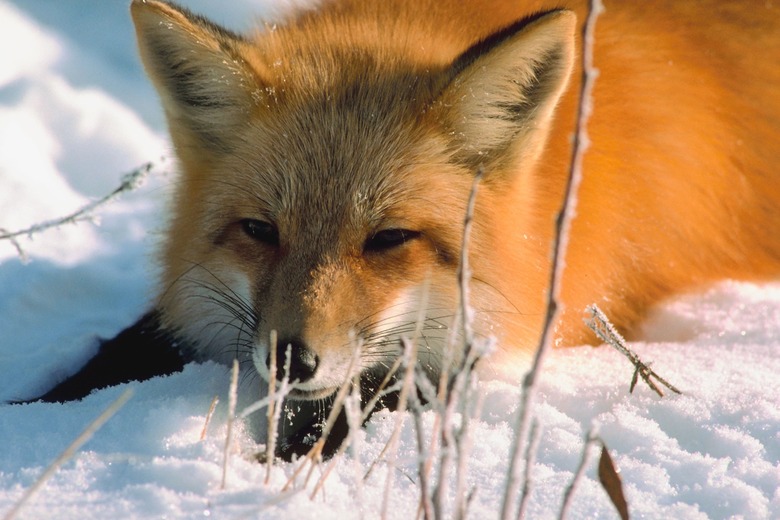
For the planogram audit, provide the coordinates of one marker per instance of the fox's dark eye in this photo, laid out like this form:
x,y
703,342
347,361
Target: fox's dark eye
x,y
388,239
261,231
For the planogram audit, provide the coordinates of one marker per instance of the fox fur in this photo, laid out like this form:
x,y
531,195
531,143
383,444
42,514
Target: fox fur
x,y
326,162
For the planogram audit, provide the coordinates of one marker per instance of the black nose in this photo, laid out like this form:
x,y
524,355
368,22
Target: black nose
x,y
303,362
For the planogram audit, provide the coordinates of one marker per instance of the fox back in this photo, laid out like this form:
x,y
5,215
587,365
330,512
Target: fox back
x,y
327,160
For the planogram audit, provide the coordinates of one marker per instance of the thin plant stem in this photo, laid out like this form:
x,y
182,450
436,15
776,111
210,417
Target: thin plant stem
x,y
590,439
560,242
530,460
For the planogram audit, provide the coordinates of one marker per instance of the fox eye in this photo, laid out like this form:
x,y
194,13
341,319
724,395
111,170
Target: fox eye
x,y
389,239
261,231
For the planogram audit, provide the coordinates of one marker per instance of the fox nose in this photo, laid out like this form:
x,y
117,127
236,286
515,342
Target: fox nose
x,y
303,362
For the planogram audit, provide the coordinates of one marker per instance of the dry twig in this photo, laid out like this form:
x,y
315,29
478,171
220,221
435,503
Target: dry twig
x,y
354,421
452,390
426,504
590,439
559,245
530,460
381,391
600,324
407,388
609,477
465,444
130,181
314,456
352,410
271,446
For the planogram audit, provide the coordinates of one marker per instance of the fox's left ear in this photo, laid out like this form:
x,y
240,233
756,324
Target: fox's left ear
x,y
504,90
199,70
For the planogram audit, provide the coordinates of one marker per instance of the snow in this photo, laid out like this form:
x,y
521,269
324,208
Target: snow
x,y
76,113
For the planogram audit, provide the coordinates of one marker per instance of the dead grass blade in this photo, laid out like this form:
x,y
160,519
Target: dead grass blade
x,y
209,416
611,482
609,476
71,450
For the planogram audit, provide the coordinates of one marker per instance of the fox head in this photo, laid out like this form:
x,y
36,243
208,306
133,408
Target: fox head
x,y
326,165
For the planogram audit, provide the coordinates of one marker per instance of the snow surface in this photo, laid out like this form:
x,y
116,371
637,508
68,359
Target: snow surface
x,y
76,113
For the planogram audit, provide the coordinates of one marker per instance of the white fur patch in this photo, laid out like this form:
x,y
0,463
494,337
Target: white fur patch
x,y
429,326
402,319
212,304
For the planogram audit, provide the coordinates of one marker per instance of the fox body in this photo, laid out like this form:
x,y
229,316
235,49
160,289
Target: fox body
x,y
327,160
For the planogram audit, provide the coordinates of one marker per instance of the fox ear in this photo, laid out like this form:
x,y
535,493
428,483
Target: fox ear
x,y
198,70
504,90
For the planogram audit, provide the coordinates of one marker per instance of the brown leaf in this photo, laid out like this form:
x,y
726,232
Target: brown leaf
x,y
610,480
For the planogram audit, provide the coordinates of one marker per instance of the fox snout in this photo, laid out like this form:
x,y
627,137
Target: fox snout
x,y
314,371
303,362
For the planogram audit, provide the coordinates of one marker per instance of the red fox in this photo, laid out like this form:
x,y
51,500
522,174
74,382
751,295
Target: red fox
x,y
326,163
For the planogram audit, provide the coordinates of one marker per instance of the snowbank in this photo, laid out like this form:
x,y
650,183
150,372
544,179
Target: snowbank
x,y
76,113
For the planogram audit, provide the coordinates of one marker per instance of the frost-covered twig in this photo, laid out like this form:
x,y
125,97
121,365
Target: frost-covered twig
x,y
273,402
464,270
70,451
130,181
381,390
271,440
412,374
530,460
454,441
277,401
232,400
559,245
600,324
354,421
453,392
352,411
465,444
450,446
609,477
426,503
278,397
20,252
449,356
408,387
590,439
314,456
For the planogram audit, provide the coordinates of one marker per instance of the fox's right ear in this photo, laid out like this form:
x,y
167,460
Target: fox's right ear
x,y
503,91
198,70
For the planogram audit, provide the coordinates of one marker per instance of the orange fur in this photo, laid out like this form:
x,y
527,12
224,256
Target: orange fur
x,y
366,115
